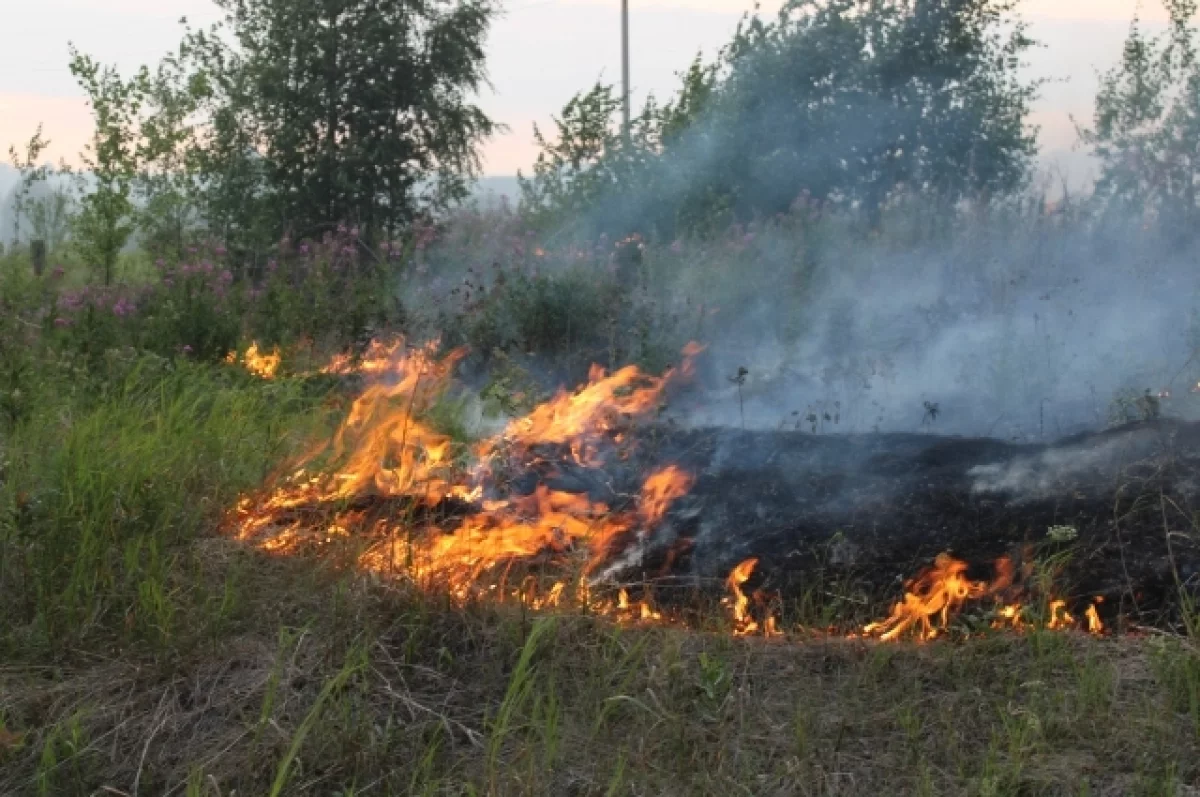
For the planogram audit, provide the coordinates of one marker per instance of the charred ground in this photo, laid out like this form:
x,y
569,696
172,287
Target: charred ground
x,y
872,509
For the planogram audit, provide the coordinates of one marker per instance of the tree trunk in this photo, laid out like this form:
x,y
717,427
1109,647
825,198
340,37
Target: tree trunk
x,y
37,252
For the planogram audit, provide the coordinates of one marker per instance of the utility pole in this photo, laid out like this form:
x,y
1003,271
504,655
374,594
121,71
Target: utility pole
x,y
625,69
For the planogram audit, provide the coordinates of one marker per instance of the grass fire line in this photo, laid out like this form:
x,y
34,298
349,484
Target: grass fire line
x,y
424,509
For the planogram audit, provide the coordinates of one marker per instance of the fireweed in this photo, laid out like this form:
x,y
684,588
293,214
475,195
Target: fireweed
x,y
330,290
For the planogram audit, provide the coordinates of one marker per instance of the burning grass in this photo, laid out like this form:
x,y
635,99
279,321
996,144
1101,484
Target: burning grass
x,y
413,506
143,657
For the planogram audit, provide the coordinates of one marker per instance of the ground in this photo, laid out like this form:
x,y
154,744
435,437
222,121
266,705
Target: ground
x,y
321,682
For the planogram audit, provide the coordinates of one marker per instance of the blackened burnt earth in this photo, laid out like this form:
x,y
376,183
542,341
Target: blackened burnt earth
x,y
875,508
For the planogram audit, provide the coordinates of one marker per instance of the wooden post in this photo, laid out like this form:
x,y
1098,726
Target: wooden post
x,y
37,251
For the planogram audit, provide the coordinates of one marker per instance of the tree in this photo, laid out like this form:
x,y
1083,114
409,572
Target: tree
x,y
167,184
51,209
589,161
1146,124
30,175
329,111
859,97
587,175
841,100
107,214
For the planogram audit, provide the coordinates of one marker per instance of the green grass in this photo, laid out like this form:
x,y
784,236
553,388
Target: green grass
x,y
143,653
104,480
332,686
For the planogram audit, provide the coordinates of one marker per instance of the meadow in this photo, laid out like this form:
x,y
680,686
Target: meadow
x,y
146,650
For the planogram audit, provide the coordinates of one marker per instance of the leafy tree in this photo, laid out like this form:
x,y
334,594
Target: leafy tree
x,y
331,111
167,186
52,209
107,216
588,161
1146,124
30,175
844,100
859,97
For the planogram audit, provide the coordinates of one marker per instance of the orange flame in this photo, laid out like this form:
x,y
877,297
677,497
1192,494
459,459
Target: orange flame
x,y
660,490
743,623
937,592
1060,618
578,418
941,590
385,450
379,358
258,363
392,466
1095,625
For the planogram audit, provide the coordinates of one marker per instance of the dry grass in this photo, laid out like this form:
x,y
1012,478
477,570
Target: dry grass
x,y
321,683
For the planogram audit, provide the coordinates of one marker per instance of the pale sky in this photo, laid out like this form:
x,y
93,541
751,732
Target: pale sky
x,y
539,54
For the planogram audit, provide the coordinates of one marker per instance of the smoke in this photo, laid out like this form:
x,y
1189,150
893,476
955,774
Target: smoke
x,y
1009,322
1044,474
1028,331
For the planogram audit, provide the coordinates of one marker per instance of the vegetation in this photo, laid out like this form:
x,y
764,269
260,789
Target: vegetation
x,y
848,101
1145,123
291,181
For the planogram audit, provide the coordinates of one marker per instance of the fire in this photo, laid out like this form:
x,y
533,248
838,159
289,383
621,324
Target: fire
x,y
441,513
941,591
1095,625
391,451
1010,616
379,358
660,490
1060,618
258,363
743,623
387,452
935,593
584,418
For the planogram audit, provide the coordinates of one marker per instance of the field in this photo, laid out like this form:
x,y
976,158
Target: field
x,y
158,641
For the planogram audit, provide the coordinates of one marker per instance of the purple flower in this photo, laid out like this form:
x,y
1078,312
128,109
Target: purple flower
x,y
677,246
122,308
220,250
226,277
57,272
61,322
187,349
304,249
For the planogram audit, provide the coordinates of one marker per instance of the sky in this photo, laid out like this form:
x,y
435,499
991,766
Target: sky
x,y
540,53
